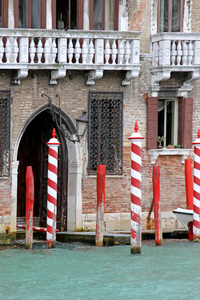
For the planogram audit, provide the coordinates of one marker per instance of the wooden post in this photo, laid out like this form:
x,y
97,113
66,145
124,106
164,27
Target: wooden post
x,y
156,204
53,145
101,174
29,208
136,179
196,189
188,184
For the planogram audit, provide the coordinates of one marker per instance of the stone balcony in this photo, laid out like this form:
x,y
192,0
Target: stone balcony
x,y
58,51
175,52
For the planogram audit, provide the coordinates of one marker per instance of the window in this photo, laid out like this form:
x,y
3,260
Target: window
x,y
171,118
168,121
4,134
105,131
170,15
30,14
104,14
69,14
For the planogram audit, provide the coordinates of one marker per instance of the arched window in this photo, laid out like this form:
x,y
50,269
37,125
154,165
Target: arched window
x,y
170,15
30,14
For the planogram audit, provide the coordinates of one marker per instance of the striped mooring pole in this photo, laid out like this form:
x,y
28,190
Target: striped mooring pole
x,y
196,189
136,179
53,145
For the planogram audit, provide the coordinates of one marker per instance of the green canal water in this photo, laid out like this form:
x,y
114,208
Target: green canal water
x,y
76,271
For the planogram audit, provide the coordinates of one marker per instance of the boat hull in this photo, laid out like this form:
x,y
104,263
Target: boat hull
x,y
185,216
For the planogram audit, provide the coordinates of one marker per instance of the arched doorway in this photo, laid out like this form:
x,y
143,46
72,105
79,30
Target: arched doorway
x,y
33,151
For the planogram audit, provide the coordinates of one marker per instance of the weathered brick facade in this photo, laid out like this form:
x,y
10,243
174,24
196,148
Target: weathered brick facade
x,y
74,96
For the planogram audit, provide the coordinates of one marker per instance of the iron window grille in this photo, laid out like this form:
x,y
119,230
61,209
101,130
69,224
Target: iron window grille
x,y
5,109
106,132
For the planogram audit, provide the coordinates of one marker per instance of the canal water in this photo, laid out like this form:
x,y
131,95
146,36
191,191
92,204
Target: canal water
x,y
77,271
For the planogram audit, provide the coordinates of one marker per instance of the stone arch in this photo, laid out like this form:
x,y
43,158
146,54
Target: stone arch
x,y
74,193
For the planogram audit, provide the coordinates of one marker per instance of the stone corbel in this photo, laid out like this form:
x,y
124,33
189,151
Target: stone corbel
x,y
94,75
158,76
21,74
129,76
60,73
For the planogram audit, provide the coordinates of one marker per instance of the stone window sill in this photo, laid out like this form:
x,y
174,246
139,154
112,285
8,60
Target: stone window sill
x,y
154,153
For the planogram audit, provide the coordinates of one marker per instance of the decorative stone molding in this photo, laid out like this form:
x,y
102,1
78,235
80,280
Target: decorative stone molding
x,y
55,75
21,74
154,153
94,75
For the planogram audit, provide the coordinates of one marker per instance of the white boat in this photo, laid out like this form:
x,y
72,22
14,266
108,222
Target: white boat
x,y
184,215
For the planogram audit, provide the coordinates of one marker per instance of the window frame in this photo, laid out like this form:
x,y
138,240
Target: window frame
x,y
116,14
42,14
185,120
175,119
99,145
170,16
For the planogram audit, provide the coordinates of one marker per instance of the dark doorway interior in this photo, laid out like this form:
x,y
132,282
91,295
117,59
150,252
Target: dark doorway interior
x,y
33,151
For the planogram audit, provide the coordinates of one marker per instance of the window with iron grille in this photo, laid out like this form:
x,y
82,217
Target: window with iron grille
x,y
4,133
105,131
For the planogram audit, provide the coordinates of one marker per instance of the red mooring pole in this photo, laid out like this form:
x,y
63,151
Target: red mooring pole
x,y
188,184
101,174
196,189
156,205
53,145
29,208
136,179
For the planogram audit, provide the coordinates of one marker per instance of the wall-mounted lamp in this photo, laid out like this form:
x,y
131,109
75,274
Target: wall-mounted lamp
x,y
81,122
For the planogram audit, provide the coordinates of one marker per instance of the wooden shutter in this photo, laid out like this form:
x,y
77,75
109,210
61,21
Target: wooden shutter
x,y
152,122
185,114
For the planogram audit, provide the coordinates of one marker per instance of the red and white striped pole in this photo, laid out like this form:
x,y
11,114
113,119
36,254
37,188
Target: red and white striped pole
x,y
136,179
196,189
53,145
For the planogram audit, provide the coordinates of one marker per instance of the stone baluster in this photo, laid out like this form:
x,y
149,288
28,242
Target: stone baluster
x,y
70,51
196,50
23,49
190,53
173,56
62,50
91,52
53,50
1,49
185,53
120,52
39,50
77,51
99,51
8,50
15,50
127,52
32,50
84,51
114,52
107,51
135,51
47,50
179,53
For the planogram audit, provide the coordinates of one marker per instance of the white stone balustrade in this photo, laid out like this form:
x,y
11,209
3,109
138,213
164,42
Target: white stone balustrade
x,y
176,49
175,52
59,50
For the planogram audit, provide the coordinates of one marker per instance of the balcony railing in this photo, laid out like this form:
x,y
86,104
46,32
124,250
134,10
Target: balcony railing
x,y
178,52
59,50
